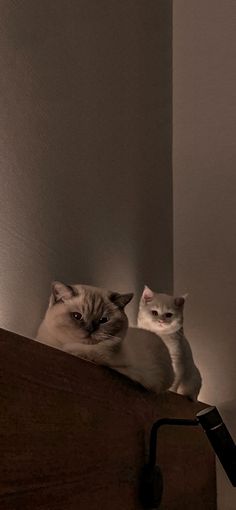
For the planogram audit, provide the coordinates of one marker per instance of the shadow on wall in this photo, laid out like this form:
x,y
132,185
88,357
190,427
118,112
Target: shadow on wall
x,y
85,150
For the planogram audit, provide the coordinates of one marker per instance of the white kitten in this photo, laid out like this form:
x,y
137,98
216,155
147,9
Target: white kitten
x,y
90,323
163,314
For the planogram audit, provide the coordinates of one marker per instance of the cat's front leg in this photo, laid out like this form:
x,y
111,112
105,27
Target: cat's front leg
x,y
77,349
179,375
190,388
187,392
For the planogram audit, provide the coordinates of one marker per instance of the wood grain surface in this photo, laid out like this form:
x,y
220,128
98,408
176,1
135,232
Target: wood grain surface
x,y
74,436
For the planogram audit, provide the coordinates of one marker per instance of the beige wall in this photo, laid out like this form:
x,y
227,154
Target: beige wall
x,y
85,134
85,155
204,161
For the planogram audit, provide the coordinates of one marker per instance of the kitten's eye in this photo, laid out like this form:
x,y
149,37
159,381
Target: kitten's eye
x,y
77,316
155,313
103,320
168,315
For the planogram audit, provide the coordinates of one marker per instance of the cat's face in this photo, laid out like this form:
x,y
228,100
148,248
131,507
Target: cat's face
x,y
88,314
160,312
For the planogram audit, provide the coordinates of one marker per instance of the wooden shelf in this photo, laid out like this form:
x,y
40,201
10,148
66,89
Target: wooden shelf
x,y
74,436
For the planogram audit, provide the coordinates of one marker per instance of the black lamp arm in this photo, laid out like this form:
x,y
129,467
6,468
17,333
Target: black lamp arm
x,y
151,484
154,430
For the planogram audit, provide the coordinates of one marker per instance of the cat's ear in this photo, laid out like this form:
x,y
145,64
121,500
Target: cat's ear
x,y
61,292
147,294
179,301
120,300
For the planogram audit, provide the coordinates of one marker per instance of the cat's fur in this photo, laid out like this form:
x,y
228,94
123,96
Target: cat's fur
x,y
136,353
170,328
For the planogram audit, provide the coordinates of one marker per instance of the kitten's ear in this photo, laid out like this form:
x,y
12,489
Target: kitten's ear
x,y
60,291
179,301
120,300
147,294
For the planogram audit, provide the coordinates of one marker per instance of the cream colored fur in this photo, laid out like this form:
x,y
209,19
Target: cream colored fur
x,y
136,353
187,379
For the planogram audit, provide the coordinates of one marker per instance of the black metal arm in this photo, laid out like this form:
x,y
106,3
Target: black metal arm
x,y
151,486
155,428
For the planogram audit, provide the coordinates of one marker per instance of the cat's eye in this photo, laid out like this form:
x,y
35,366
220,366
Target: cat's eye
x,y
168,315
103,320
77,316
155,313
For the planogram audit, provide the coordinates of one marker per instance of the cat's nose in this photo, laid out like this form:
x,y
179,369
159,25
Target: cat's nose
x,y
91,326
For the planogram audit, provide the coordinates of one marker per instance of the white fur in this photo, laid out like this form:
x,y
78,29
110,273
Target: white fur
x,y
141,355
136,353
187,376
144,358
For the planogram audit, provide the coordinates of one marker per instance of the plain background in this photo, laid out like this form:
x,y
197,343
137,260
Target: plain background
x,y
204,177
85,134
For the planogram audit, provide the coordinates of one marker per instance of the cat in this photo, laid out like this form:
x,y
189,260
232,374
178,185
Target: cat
x,y
90,322
163,315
